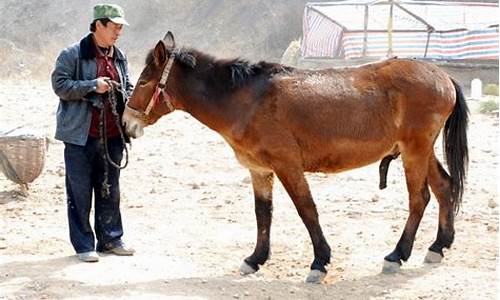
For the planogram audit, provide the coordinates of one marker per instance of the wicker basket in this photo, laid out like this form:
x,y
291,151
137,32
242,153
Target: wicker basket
x,y
22,157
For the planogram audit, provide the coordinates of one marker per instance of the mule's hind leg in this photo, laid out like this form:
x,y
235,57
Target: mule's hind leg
x,y
263,194
298,189
416,166
440,183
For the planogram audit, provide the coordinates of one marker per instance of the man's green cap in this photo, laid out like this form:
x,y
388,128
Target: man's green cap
x,y
111,11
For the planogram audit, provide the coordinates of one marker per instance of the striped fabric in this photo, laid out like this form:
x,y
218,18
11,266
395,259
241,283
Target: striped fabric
x,y
325,36
464,44
322,37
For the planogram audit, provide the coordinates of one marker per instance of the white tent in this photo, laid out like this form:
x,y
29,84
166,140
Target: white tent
x,y
421,29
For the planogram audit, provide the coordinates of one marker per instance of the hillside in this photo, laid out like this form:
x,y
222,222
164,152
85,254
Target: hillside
x,y
33,32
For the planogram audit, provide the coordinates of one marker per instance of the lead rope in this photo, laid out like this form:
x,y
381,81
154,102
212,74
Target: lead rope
x,y
105,192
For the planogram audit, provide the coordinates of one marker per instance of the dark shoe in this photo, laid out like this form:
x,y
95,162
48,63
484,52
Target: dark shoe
x,y
119,249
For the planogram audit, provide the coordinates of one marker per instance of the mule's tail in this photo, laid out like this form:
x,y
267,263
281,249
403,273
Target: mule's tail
x,y
455,146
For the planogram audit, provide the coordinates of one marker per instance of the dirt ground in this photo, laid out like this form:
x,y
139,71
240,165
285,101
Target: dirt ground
x,y
187,208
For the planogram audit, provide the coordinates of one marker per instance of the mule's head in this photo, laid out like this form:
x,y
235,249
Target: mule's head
x,y
150,99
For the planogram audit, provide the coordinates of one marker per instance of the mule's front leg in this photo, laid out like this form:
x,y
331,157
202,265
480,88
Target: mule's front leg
x,y
298,189
263,193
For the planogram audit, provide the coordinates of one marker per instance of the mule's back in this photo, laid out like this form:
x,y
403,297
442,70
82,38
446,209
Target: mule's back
x,y
339,119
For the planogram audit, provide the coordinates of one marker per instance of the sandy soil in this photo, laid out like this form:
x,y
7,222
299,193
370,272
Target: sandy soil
x,y
188,211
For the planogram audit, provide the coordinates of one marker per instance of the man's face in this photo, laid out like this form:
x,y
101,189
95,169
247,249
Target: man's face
x,y
108,34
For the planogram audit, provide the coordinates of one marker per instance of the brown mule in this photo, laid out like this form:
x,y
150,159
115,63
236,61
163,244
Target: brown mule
x,y
284,121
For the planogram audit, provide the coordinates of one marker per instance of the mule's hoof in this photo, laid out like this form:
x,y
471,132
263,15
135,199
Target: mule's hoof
x,y
391,267
246,269
315,276
433,257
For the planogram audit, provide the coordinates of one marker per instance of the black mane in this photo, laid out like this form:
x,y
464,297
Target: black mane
x,y
230,73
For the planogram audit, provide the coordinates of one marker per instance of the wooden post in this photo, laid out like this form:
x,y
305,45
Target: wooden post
x,y
389,29
365,36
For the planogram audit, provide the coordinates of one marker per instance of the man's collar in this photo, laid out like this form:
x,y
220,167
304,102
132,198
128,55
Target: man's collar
x,y
87,46
98,50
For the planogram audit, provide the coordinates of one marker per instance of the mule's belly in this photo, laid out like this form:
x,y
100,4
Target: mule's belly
x,y
340,158
333,158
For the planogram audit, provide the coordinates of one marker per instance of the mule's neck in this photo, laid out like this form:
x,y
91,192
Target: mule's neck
x,y
222,110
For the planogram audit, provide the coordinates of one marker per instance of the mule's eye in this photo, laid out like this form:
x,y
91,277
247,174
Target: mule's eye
x,y
142,82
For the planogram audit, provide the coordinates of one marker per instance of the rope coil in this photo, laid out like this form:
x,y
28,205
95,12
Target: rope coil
x,y
103,138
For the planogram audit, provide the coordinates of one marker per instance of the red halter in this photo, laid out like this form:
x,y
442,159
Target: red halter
x,y
160,88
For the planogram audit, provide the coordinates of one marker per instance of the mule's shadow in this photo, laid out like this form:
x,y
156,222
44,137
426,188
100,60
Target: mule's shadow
x,y
218,287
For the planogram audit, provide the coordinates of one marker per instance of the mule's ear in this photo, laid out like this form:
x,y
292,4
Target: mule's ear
x,y
160,53
169,40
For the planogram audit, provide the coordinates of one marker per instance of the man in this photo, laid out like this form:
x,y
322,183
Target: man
x,y
82,78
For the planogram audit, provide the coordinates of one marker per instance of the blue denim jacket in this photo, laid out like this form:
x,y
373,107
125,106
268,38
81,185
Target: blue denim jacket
x,y
74,80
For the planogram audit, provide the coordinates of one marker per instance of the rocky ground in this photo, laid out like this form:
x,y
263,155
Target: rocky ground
x,y
188,211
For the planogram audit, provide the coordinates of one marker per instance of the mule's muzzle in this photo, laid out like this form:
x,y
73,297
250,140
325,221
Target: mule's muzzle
x,y
134,130
134,126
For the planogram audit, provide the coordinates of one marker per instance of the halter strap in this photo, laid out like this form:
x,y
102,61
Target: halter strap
x,y
160,88
166,70
138,114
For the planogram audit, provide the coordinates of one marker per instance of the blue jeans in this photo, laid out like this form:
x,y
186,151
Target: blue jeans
x,y
84,175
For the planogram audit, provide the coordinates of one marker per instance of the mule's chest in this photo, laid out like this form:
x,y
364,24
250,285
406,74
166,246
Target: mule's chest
x,y
250,161
246,157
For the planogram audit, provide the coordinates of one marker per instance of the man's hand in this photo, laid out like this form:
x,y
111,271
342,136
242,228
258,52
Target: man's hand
x,y
102,85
